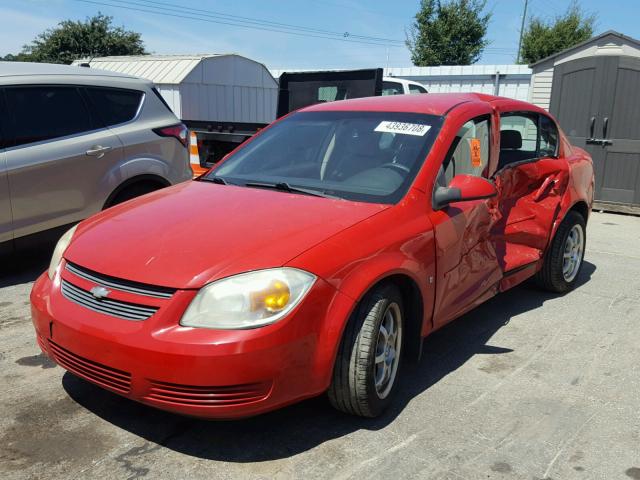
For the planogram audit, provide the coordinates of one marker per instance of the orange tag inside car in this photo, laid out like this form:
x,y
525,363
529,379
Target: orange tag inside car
x,y
476,157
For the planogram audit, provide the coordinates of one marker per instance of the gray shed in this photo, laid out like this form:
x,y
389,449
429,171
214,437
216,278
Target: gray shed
x,y
593,89
204,88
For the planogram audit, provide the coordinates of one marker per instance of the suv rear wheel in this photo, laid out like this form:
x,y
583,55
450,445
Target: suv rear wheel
x,y
366,369
133,191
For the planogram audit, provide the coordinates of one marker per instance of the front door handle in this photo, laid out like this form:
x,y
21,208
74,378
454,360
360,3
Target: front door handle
x,y
97,151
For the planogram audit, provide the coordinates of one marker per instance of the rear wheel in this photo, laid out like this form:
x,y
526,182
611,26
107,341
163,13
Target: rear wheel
x,y
133,191
367,366
563,261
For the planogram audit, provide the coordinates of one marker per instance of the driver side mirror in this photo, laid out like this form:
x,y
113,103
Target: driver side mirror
x,y
462,189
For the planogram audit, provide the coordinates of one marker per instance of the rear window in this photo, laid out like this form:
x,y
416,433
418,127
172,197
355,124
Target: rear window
x,y
115,105
41,113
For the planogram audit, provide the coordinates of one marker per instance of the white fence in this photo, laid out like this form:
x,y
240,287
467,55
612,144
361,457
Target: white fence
x,y
511,81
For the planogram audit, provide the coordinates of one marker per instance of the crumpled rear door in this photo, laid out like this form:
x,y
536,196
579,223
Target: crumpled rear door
x,y
529,197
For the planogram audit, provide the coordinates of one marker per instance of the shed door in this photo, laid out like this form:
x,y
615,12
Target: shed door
x,y
620,169
597,102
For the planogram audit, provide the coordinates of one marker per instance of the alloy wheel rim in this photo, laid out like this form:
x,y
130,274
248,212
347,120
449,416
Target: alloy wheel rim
x,y
387,354
572,256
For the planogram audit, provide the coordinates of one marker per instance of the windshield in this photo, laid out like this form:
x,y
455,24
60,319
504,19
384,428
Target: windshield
x,y
363,156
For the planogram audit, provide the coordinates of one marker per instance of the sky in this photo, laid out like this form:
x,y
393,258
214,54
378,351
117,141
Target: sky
x,y
189,26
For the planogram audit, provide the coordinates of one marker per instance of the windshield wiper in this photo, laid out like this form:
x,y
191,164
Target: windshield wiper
x,y
285,187
215,179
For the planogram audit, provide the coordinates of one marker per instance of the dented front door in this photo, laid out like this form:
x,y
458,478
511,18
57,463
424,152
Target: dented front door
x,y
467,267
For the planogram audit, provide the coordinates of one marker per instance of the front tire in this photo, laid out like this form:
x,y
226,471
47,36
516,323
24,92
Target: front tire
x,y
367,365
564,258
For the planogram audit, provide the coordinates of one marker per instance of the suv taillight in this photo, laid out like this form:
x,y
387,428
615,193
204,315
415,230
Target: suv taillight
x,y
179,132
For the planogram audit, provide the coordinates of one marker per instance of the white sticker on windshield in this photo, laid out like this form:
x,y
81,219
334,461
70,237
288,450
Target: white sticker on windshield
x,y
403,128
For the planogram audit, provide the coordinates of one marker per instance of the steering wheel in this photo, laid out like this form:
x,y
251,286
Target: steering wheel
x,y
399,166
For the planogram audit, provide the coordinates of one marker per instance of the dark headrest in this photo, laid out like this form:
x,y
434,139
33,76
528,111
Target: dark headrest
x,y
510,139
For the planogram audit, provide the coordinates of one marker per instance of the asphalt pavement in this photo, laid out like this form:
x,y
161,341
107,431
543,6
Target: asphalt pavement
x,y
529,385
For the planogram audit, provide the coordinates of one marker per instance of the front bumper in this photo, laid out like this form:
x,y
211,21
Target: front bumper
x,y
192,371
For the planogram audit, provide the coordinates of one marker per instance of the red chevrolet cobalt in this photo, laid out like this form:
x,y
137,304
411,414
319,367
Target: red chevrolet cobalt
x,y
317,255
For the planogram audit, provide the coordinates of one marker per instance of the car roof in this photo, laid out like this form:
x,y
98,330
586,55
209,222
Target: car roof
x,y
428,103
21,69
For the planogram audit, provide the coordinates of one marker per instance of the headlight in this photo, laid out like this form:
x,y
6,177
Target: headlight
x,y
61,246
248,300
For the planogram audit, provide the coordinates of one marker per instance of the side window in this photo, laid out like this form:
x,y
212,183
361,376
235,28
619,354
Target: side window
x,y
392,88
469,152
518,138
416,89
548,137
45,112
115,105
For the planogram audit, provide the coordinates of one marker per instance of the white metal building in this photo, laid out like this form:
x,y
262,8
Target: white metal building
x,y
216,88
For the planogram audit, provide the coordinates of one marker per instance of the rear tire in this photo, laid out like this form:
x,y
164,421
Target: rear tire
x,y
366,371
564,258
133,191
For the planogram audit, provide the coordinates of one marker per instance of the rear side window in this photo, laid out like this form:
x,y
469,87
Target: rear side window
x,y
115,105
41,113
392,88
548,137
525,137
518,138
413,89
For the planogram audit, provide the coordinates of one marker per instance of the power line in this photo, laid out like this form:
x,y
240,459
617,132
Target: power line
x,y
253,20
152,10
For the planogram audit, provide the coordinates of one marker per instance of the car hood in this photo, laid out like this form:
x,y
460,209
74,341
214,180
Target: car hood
x,y
193,233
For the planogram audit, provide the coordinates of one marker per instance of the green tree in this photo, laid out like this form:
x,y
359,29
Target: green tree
x,y
542,38
448,32
70,40
9,57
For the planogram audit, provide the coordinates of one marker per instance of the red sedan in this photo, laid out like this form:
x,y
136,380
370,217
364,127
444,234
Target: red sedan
x,y
317,255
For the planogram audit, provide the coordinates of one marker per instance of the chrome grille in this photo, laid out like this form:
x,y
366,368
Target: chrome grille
x,y
203,396
115,308
93,371
119,284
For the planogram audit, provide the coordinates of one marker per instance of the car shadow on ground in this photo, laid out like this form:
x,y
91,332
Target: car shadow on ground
x,y
303,426
25,265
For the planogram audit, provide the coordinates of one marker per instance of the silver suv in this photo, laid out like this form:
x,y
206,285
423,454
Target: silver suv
x,y
74,141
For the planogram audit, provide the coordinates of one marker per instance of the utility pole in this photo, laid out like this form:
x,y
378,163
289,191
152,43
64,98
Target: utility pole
x,y
524,16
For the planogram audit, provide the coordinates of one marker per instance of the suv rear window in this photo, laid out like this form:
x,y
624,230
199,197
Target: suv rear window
x,y
115,105
41,113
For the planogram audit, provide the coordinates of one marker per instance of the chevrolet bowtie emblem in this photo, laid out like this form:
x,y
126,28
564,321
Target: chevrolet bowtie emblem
x,y
99,292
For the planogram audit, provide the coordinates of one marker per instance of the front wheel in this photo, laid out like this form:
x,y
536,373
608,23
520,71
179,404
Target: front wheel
x,y
368,361
564,258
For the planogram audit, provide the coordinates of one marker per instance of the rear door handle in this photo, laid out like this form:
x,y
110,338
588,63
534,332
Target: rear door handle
x,y
547,185
97,151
